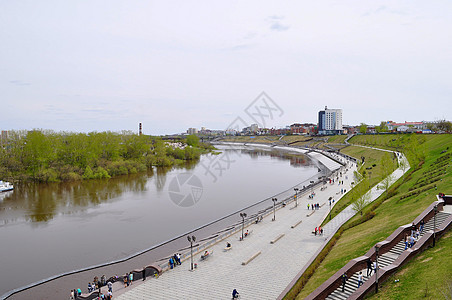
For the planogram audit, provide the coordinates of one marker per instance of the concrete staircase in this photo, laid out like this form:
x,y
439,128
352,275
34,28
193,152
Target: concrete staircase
x,y
383,261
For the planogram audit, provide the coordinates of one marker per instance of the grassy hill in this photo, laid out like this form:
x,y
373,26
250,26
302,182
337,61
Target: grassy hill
x,y
430,158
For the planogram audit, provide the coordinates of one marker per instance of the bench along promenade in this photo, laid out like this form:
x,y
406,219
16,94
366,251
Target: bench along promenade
x,y
265,264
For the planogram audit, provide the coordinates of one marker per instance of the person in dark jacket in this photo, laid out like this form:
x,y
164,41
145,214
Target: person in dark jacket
x,y
344,280
369,267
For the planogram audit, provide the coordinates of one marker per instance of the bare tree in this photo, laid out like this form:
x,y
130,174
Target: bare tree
x,y
361,196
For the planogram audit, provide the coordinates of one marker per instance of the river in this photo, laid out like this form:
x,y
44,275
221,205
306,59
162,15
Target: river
x,y
48,229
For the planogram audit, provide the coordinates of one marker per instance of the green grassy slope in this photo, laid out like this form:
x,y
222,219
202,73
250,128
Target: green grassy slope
x,y
401,208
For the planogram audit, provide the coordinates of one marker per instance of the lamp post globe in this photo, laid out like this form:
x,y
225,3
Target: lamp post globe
x,y
274,208
243,215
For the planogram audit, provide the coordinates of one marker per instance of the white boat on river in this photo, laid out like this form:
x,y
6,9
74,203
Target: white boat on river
x,y
5,186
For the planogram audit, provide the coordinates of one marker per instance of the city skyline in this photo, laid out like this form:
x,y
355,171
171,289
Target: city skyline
x,y
81,66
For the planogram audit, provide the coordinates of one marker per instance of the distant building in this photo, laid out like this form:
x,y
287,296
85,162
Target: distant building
x,y
192,131
330,121
407,126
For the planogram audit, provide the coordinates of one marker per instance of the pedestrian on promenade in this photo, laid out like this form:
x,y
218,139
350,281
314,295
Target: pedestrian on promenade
x,y
178,258
102,280
175,260
235,294
360,278
126,280
369,267
110,286
143,273
315,231
308,206
321,231
131,277
171,262
72,294
344,280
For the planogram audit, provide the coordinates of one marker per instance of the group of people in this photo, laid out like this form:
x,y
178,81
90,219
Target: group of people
x,y
314,206
128,279
318,230
175,260
75,293
371,267
97,284
311,195
411,239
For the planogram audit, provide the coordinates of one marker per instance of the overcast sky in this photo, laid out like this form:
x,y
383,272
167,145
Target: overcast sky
x,y
108,65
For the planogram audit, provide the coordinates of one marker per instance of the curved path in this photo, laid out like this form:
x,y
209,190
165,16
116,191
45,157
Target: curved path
x,y
267,275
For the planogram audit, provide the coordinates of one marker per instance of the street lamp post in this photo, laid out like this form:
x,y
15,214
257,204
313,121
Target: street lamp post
x,y
274,208
376,268
296,196
243,215
434,224
330,206
191,239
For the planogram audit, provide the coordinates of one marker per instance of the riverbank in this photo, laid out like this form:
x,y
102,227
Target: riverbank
x,y
48,156
178,244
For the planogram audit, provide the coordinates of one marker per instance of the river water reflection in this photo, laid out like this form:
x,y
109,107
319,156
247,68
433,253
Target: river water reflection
x,y
47,229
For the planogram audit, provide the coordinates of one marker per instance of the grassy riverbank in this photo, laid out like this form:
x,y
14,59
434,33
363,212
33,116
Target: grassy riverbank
x,y
430,173
47,156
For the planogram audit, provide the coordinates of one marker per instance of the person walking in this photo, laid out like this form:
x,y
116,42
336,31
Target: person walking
x,y
125,279
235,294
110,286
344,280
131,278
360,279
369,267
421,229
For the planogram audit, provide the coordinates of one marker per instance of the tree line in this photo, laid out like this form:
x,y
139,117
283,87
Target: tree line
x,y
48,156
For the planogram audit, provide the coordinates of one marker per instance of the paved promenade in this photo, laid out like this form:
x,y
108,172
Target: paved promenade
x,y
267,275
